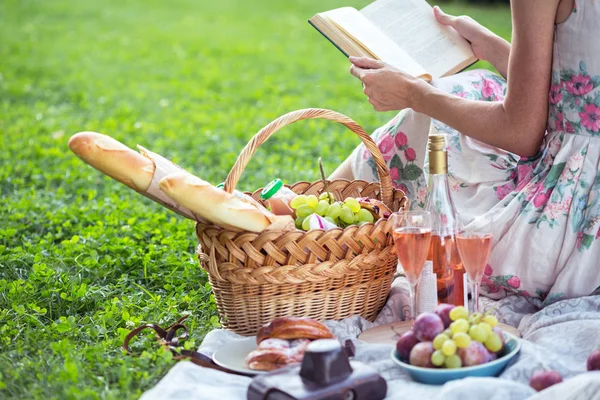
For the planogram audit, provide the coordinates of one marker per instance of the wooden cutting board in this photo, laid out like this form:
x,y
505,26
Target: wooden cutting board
x,y
389,333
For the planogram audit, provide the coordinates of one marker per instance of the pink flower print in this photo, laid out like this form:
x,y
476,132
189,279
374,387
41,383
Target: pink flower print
x,y
394,174
579,239
541,198
559,121
504,190
401,140
386,144
524,172
525,293
514,282
365,154
580,85
422,195
410,154
488,270
555,95
403,187
491,89
590,118
577,102
444,219
461,94
494,288
598,234
569,127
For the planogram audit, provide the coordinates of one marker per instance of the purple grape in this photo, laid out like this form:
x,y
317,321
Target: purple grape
x,y
593,361
491,356
443,311
474,354
405,344
427,326
420,355
544,379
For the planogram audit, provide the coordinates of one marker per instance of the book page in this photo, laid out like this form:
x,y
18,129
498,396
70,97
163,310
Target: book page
x,y
355,25
411,25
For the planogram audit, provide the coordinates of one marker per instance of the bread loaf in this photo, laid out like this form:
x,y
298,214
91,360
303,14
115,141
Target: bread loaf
x,y
216,205
293,328
114,159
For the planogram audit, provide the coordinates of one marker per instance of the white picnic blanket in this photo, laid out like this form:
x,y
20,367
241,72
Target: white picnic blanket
x,y
558,337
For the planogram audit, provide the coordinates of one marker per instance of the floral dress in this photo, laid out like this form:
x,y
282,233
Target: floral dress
x,y
545,210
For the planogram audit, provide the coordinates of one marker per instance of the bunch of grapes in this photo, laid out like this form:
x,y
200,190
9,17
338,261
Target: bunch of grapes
x,y
451,338
339,213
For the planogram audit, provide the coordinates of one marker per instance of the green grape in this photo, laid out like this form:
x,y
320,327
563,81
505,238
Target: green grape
x,y
334,210
327,196
439,340
298,201
449,347
312,200
299,222
347,216
364,216
459,313
352,204
304,211
331,220
475,318
322,207
460,325
486,327
448,332
306,223
493,342
462,340
438,358
490,319
477,333
453,361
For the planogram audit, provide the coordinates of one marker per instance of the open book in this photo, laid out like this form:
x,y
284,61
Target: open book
x,y
402,33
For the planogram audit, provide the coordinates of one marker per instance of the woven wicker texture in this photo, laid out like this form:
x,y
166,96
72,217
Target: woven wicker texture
x,y
316,274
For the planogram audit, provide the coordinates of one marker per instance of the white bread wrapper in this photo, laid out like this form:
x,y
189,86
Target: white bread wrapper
x,y
238,212
141,172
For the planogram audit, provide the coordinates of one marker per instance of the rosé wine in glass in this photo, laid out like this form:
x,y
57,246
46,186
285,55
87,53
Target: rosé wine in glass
x,y
411,231
474,249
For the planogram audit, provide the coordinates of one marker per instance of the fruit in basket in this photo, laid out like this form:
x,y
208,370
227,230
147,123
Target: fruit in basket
x,y
541,380
593,361
405,344
420,355
443,311
427,326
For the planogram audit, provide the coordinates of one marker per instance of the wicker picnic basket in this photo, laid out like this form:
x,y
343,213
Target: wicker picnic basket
x,y
323,275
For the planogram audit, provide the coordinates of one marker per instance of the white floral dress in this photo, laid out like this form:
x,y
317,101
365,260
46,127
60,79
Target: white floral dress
x,y
546,209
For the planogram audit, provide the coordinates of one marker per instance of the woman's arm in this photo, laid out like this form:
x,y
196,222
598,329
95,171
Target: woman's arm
x,y
518,124
485,44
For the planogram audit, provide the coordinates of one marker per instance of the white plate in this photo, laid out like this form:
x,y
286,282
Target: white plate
x,y
233,356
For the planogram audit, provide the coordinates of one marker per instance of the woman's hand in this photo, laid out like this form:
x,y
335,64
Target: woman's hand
x,y
386,87
485,44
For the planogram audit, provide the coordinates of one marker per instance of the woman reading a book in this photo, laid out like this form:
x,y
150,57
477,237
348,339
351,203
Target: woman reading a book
x,y
524,146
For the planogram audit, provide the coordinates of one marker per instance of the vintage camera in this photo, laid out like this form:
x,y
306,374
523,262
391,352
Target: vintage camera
x,y
326,373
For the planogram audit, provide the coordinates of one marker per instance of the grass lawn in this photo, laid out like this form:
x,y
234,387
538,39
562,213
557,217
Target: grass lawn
x,y
83,259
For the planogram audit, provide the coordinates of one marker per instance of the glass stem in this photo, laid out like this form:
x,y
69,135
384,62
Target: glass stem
x,y
475,295
412,289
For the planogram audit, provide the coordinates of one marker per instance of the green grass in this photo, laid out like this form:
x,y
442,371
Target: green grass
x,y
84,259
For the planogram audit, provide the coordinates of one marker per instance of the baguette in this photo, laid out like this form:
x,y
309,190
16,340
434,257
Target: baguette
x,y
114,159
216,205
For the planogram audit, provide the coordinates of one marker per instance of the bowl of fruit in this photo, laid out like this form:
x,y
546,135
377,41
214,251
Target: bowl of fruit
x,y
450,344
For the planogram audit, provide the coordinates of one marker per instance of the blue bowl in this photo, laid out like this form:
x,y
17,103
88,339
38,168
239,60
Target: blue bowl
x,y
439,376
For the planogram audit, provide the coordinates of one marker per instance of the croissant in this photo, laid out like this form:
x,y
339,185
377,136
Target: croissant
x,y
276,353
293,328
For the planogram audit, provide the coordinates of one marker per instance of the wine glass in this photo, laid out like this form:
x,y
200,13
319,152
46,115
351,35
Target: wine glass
x,y
474,248
412,236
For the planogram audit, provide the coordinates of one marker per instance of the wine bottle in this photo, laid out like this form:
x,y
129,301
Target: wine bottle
x,y
443,251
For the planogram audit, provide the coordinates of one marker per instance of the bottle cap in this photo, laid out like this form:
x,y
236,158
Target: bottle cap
x,y
437,142
221,185
271,189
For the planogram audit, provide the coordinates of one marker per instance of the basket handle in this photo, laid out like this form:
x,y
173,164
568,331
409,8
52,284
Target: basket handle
x,y
310,113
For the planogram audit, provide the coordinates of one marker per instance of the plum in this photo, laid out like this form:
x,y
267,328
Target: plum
x,y
491,356
427,326
443,311
405,344
544,379
474,354
593,361
420,355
